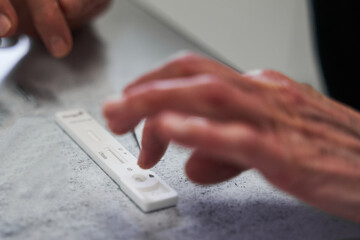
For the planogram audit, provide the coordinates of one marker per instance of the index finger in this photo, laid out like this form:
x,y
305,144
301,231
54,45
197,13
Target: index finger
x,y
51,25
186,65
190,64
203,95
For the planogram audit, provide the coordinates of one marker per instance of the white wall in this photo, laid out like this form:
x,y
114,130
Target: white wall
x,y
249,34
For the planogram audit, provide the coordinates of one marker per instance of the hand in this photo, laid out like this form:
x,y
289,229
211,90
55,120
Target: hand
x,y
52,20
301,141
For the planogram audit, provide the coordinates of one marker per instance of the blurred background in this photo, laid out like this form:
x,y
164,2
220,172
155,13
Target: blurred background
x,y
249,34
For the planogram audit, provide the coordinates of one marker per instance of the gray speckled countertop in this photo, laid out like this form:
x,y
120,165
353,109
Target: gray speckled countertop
x,y
50,189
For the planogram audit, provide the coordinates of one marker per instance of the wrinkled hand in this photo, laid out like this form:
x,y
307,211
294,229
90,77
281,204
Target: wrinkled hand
x,y
52,20
301,141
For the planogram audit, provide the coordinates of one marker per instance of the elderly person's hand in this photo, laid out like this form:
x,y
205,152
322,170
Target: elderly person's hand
x,y
301,141
52,20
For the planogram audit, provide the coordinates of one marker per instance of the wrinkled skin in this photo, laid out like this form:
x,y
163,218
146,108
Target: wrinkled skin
x,y
51,20
301,141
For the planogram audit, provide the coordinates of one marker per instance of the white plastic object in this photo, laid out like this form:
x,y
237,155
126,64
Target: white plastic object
x,y
143,187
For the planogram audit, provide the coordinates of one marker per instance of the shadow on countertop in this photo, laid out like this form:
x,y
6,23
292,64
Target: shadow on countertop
x,y
42,77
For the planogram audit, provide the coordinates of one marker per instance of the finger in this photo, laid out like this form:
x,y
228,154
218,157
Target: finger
x,y
185,65
76,9
153,146
205,168
237,143
8,19
51,26
203,96
268,76
318,107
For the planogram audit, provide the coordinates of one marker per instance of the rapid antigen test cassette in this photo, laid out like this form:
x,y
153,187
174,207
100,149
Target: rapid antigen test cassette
x,y
144,187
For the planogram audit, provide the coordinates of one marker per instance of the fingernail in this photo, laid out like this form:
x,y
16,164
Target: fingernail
x,y
5,25
58,47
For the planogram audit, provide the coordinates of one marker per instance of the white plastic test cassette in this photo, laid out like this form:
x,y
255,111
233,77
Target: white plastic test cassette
x,y
144,187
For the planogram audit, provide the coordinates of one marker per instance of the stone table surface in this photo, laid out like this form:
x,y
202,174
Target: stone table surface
x,y
50,189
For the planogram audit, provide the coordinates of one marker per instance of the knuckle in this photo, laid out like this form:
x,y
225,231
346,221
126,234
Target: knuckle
x,y
212,83
186,63
269,72
265,73
255,72
292,96
275,77
215,92
189,57
273,74
182,54
307,87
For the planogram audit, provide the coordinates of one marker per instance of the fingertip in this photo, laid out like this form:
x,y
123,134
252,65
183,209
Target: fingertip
x,y
206,169
59,47
117,128
153,145
120,120
111,108
194,171
144,162
106,110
